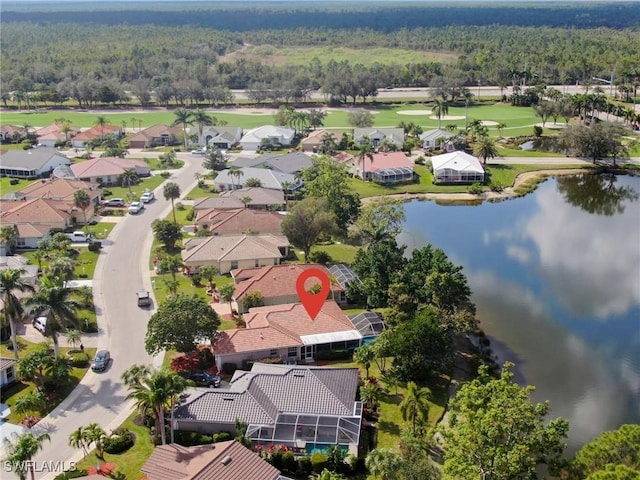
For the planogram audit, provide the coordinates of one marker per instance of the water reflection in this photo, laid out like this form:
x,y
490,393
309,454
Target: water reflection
x,y
597,194
556,280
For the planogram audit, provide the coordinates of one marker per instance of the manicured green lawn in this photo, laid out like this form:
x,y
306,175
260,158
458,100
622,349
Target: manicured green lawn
x,y
512,152
391,423
6,187
154,164
128,463
505,175
20,389
340,252
150,183
198,192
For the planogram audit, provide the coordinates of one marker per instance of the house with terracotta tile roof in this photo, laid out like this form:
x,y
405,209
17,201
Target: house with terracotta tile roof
x,y
277,284
239,221
220,461
53,135
61,189
286,332
7,133
35,218
32,163
155,136
305,408
96,132
385,167
261,198
107,170
313,141
343,157
230,252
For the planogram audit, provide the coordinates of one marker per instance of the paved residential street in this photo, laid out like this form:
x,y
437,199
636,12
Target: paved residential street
x,y
121,270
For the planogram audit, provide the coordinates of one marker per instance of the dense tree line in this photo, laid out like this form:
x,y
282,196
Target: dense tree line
x,y
50,63
383,17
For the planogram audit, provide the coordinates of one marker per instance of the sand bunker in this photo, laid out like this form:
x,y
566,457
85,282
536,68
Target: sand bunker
x,y
489,123
414,112
448,117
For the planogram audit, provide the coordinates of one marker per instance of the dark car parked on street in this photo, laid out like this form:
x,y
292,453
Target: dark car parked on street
x,y
202,379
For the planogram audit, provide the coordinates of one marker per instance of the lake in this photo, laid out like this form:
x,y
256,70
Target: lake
x,y
556,281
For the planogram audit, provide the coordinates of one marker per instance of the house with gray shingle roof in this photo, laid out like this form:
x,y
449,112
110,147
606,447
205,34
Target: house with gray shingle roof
x,y
301,407
271,179
32,163
228,252
377,135
261,199
432,139
293,162
221,461
217,136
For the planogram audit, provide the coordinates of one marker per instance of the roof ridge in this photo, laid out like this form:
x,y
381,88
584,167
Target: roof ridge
x,y
233,247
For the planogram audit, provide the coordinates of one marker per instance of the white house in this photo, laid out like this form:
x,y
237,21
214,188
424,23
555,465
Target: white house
x,y
268,179
457,167
215,136
35,162
274,135
432,139
377,135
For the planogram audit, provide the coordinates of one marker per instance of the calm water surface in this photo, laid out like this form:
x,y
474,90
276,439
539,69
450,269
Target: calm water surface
x,y
556,279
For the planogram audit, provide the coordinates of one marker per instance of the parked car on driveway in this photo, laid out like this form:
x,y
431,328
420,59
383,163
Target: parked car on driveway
x,y
202,379
114,202
199,151
101,361
136,207
147,196
144,298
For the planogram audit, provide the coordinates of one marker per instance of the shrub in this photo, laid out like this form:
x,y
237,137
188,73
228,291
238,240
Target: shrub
x,y
229,368
121,440
222,437
321,257
165,174
71,474
333,354
180,206
189,439
319,462
420,160
196,280
305,466
191,215
253,299
537,130
289,462
94,247
497,187
79,360
206,358
475,189
106,192
14,181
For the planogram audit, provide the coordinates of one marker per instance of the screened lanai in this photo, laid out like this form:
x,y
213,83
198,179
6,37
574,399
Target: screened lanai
x,y
393,175
302,430
369,324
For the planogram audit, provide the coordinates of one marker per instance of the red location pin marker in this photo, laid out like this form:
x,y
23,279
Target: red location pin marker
x,y
313,303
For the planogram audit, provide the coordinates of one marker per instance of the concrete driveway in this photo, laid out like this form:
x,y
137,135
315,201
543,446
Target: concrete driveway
x,y
121,270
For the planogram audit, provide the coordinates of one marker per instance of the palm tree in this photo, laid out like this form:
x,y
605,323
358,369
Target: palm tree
x,y
226,293
155,392
94,434
11,282
26,126
385,462
21,450
485,148
171,191
327,475
209,273
246,200
129,177
363,356
286,188
202,119
78,439
9,237
171,263
369,394
468,96
364,150
501,127
82,200
415,404
30,403
440,108
101,121
74,337
236,172
135,374
60,308
184,117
